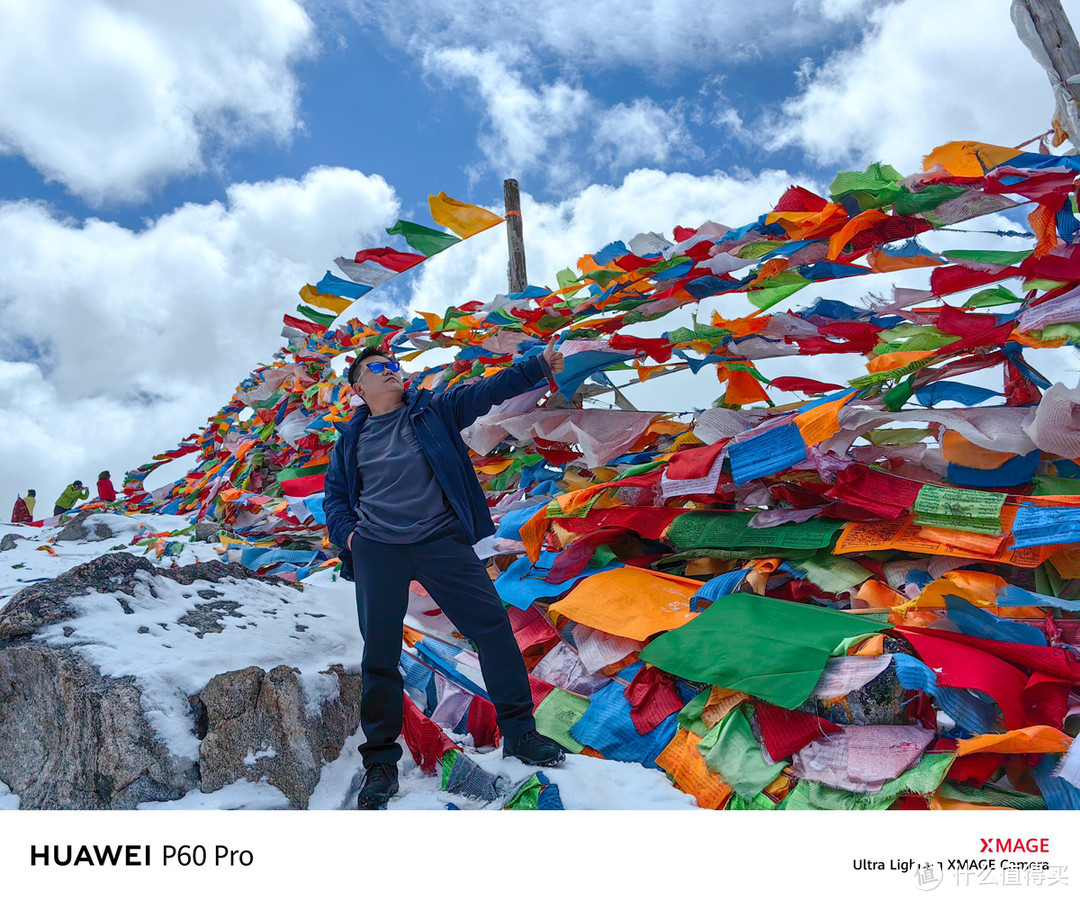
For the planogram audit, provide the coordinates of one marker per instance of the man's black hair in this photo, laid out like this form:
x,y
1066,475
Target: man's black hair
x,y
353,372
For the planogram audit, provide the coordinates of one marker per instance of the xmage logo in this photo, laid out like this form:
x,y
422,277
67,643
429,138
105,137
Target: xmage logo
x,y
1014,845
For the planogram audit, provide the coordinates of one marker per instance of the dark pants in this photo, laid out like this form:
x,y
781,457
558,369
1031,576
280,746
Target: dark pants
x,y
57,510
457,581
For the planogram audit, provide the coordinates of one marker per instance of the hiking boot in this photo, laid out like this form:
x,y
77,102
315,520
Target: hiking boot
x,y
380,785
534,749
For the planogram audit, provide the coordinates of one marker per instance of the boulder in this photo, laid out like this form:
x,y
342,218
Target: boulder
x,y
207,531
73,739
254,724
77,530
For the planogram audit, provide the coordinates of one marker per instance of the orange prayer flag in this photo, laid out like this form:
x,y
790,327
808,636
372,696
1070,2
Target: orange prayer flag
x,y
955,448
689,772
1029,740
1043,221
969,159
821,422
630,602
878,594
463,219
802,224
874,646
897,359
743,388
865,220
533,532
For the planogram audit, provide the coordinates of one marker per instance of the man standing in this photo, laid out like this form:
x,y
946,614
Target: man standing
x,y
403,502
74,492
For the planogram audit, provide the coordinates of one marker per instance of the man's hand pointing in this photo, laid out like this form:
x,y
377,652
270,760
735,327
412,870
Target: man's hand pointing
x,y
554,358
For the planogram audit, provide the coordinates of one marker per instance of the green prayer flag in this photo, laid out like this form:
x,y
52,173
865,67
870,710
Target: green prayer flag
x,y
316,316
776,289
832,574
557,714
993,257
297,472
422,239
527,797
880,181
731,750
690,716
921,779
989,794
771,649
730,529
1045,485
930,197
992,297
959,508
567,277
898,437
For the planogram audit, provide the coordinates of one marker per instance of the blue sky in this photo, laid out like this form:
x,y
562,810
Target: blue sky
x,y
172,177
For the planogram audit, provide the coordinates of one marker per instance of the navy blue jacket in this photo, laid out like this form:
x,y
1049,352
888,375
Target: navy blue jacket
x,y
437,421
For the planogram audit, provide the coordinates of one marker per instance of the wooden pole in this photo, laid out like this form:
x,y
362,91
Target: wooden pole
x,y
1058,41
515,239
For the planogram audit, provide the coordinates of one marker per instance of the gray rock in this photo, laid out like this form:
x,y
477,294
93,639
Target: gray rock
x,y
76,529
207,531
246,714
43,603
73,739
208,617
8,541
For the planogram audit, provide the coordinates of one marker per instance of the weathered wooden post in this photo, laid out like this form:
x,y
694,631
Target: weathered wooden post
x,y
515,239
1045,30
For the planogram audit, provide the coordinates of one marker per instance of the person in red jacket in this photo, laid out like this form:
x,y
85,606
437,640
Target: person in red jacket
x,y
105,489
23,511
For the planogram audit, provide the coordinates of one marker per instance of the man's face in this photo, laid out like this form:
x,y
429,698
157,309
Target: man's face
x,y
379,388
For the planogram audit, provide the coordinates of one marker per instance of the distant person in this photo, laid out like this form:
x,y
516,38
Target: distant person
x,y
417,516
24,508
74,492
105,489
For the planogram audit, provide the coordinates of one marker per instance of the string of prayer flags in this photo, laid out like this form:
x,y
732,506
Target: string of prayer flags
x,y
874,574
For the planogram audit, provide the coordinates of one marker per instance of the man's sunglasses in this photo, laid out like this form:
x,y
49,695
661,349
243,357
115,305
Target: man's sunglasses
x,y
392,366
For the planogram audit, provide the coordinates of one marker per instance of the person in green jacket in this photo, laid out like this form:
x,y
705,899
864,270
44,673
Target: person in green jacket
x,y
74,492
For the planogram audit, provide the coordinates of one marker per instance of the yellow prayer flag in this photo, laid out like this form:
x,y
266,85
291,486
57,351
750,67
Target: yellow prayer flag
x,y
463,219
310,295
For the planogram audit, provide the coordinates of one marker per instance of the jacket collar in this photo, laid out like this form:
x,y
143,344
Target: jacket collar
x,y
413,399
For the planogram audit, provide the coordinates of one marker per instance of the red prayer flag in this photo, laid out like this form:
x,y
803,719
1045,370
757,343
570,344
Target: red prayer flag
x,y
389,258
425,740
783,732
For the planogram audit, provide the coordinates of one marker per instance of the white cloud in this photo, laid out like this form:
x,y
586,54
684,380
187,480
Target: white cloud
x,y
111,98
525,123
926,73
641,132
534,128
117,343
656,35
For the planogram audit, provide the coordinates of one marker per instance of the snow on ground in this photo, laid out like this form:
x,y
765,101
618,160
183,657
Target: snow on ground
x,y
241,795
309,630
8,801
